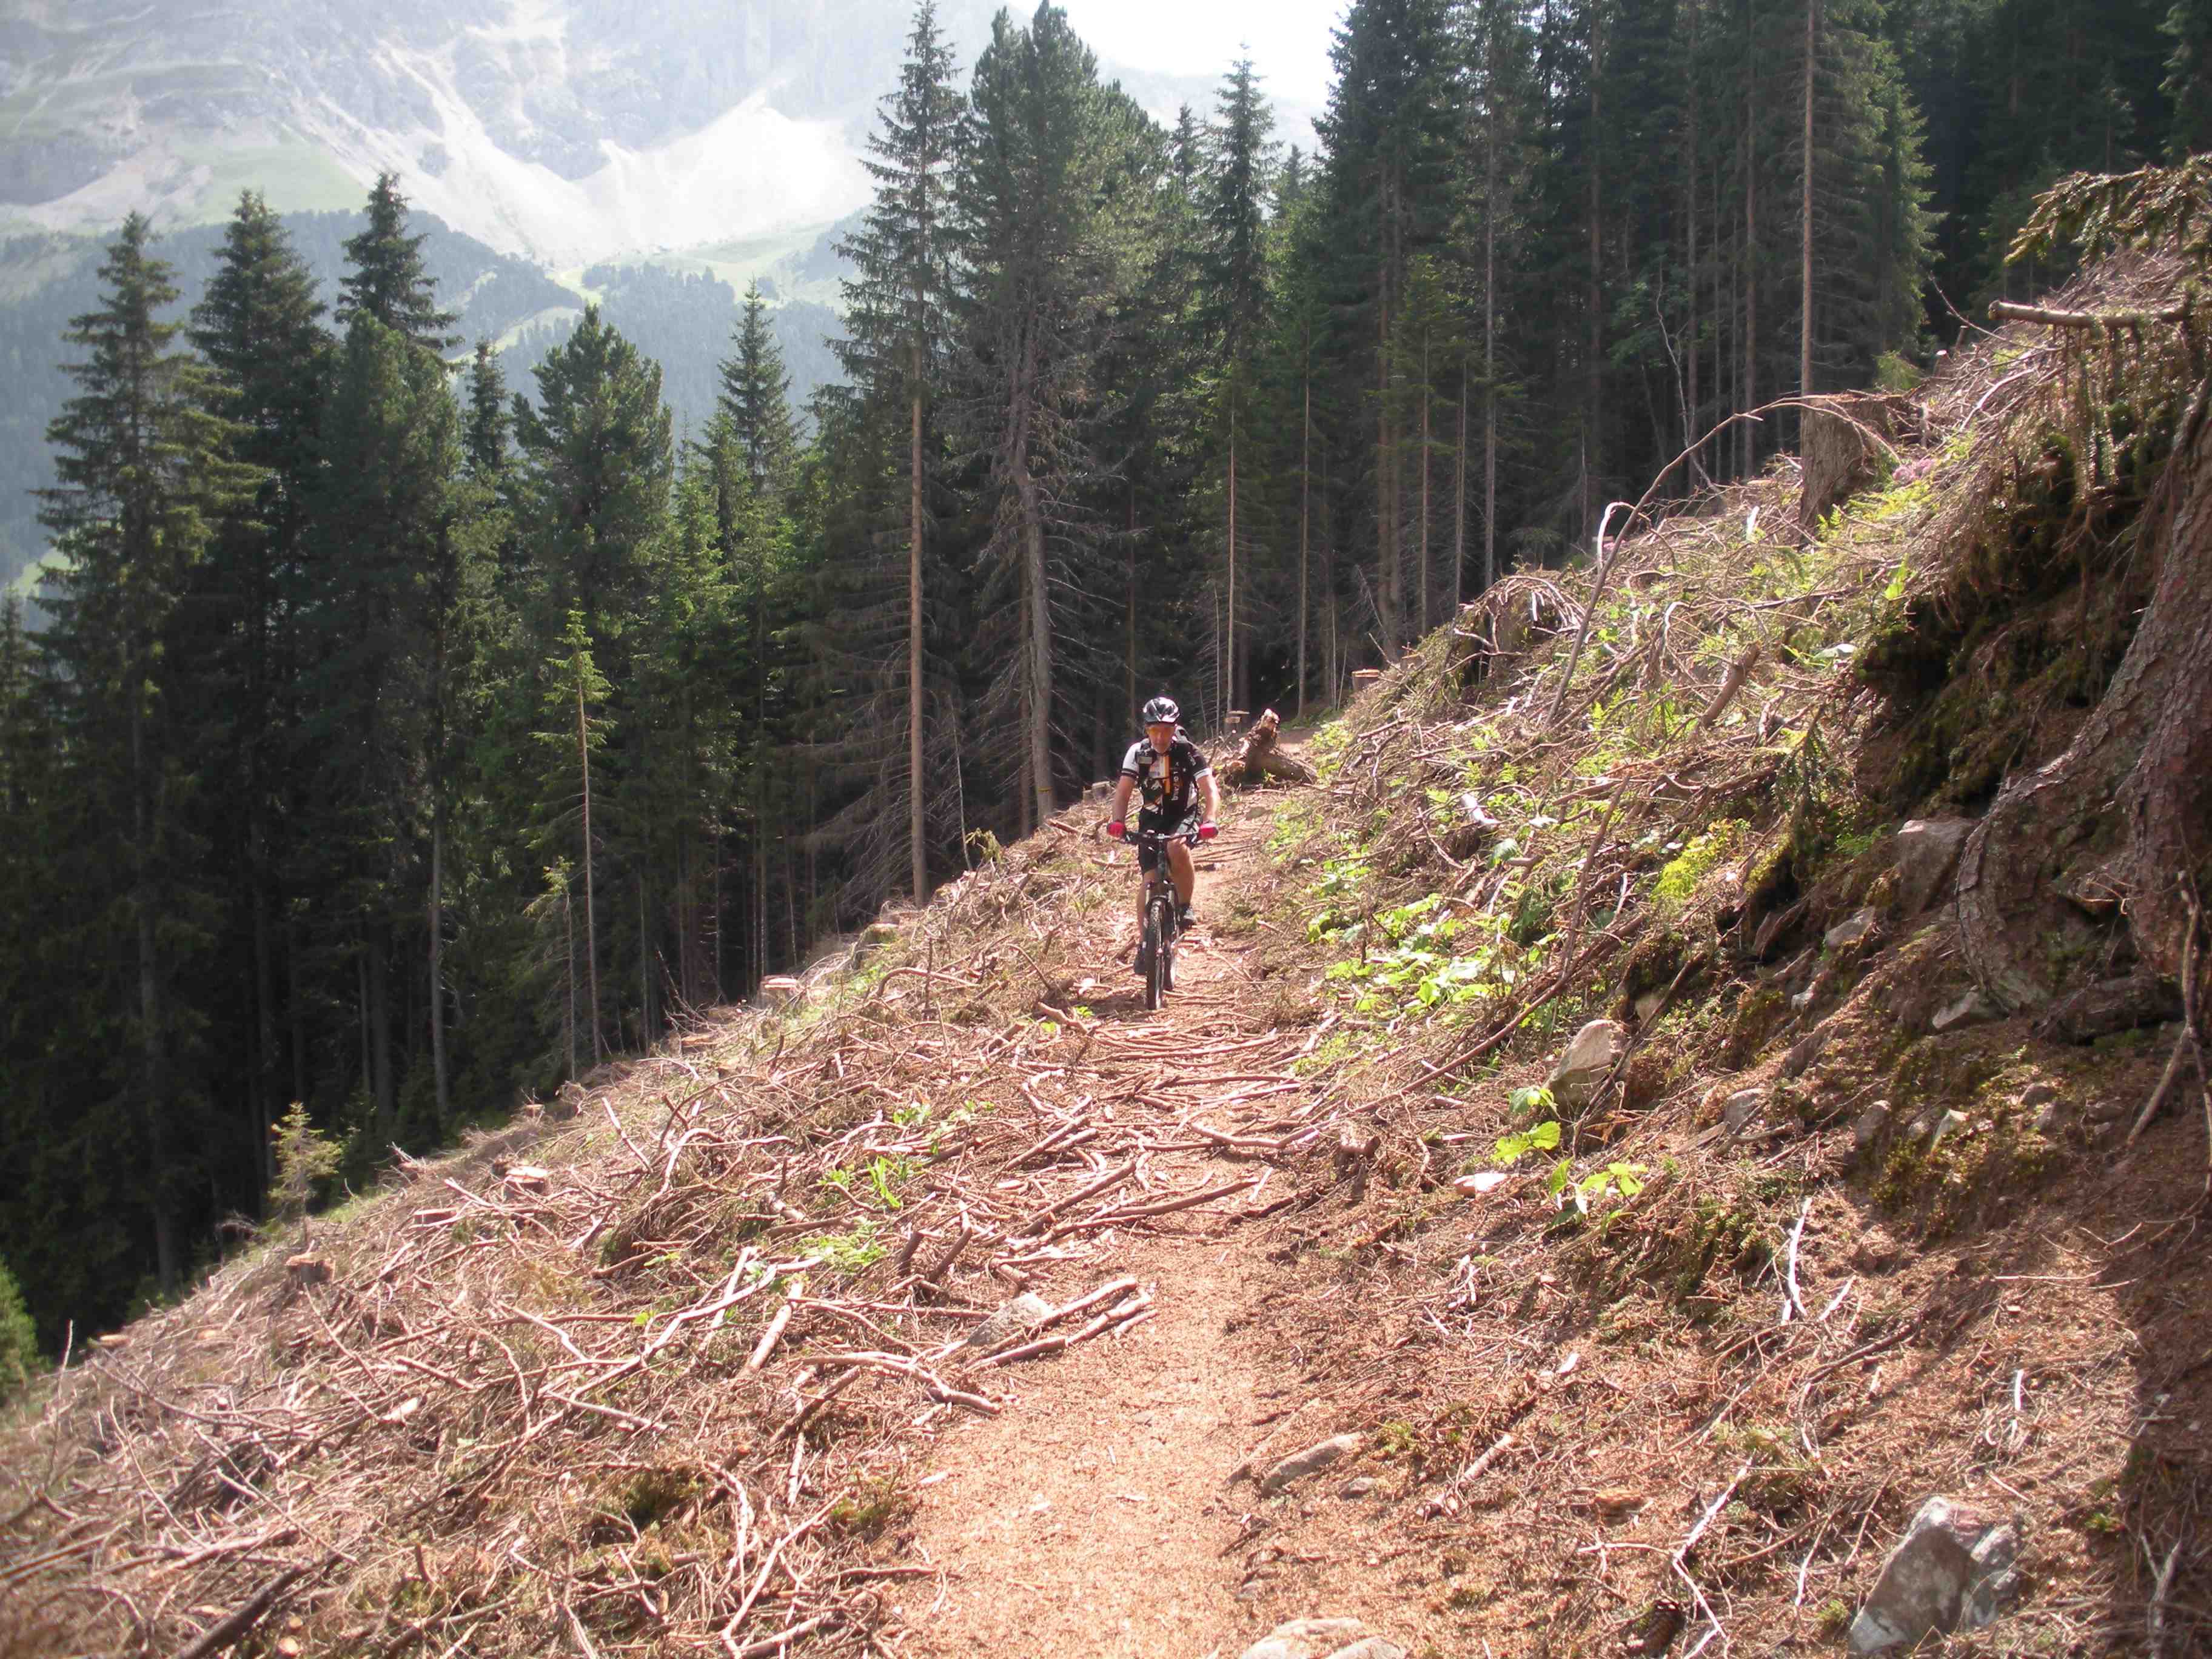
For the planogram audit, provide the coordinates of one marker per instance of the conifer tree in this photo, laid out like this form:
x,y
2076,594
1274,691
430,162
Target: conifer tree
x,y
145,473
572,731
1387,137
897,326
259,326
485,432
2188,85
1235,310
385,278
757,400
596,457
385,541
1055,164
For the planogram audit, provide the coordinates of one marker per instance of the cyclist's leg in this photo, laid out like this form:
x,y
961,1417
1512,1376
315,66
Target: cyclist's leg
x,y
1184,872
1145,859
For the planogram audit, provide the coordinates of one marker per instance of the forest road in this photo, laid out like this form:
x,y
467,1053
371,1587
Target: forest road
x,y
1094,1515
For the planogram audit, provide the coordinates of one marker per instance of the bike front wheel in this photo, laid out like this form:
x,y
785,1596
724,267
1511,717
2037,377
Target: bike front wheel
x,y
1155,954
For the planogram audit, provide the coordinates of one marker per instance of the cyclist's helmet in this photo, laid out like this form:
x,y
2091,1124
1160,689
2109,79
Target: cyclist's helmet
x,y
1162,711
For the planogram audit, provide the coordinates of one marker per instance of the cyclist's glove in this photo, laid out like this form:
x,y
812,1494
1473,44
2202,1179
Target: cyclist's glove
x,y
1117,828
1208,831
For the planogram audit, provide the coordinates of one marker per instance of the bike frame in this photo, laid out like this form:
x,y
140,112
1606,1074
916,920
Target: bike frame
x,y
1160,926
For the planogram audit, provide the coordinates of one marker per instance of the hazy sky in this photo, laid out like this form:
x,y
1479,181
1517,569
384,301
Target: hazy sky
x,y
1289,39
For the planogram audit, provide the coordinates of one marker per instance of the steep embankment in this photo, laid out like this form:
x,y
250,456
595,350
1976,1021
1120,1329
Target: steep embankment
x,y
1581,1120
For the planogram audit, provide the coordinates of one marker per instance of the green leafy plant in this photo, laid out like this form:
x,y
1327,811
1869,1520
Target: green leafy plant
x,y
1542,1138
850,1253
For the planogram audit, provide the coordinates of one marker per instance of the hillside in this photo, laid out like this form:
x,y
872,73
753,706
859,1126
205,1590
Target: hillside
x,y
682,322
1598,1124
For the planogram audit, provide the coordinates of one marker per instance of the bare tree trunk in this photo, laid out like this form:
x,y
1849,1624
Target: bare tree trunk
x,y
1039,647
153,1051
590,928
1234,693
917,838
437,920
568,978
1696,419
379,1033
1458,500
1490,345
1305,491
265,1004
1594,389
1750,343
1805,213
1427,582
1388,580
1129,658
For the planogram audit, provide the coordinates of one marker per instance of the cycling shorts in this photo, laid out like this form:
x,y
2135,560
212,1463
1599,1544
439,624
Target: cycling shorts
x,y
1168,822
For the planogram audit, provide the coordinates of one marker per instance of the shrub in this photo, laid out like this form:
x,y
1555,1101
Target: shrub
x,y
19,1339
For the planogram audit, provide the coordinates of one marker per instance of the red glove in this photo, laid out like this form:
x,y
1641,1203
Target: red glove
x,y
1207,832
1117,828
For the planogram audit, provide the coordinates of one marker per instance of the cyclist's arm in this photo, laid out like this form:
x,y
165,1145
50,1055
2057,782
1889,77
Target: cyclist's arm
x,y
1210,797
1122,788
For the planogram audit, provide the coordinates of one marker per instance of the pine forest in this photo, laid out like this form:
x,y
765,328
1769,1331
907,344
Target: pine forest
x,y
400,743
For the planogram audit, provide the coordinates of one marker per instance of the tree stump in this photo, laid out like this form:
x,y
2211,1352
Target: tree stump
x,y
2122,812
306,1269
1260,758
1846,439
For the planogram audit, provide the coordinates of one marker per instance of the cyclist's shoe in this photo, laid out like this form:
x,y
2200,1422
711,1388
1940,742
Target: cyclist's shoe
x,y
1184,918
1139,963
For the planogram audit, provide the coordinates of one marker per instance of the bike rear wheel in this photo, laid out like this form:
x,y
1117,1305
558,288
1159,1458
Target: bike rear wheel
x,y
1155,953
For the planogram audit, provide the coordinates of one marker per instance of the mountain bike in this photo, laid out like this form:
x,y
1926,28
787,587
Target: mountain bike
x,y
1156,957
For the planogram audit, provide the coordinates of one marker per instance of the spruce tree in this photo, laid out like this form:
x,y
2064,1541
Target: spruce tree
x,y
1234,314
385,280
145,474
485,432
1056,163
1387,134
384,538
757,400
259,326
896,325
596,457
2188,84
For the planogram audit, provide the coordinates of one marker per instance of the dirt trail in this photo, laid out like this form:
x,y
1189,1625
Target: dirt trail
x,y
1093,1516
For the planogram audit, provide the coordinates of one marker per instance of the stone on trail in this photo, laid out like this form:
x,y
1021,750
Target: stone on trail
x,y
1009,1319
1952,1571
1738,1110
1867,1128
1312,1460
1927,854
1804,1051
1972,1009
1852,930
1592,1053
1323,1638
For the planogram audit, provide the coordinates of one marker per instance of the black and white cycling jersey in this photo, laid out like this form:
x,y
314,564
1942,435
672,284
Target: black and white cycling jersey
x,y
1166,784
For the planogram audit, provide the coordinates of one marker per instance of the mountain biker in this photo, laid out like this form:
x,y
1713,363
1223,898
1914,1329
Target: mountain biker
x,y
1170,771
